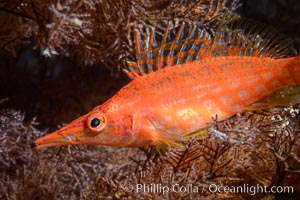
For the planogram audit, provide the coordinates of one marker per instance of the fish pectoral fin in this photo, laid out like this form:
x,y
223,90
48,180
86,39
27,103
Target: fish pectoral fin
x,y
166,140
286,96
163,140
163,146
199,134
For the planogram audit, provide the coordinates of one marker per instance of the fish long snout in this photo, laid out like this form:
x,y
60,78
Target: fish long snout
x,y
64,136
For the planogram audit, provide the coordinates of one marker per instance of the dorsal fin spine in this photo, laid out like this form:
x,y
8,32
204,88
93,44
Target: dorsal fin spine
x,y
233,36
138,56
183,51
160,57
194,48
174,44
150,56
129,74
193,36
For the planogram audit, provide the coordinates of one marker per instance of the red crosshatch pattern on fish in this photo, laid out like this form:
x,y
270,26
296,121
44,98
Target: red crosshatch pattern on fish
x,y
179,85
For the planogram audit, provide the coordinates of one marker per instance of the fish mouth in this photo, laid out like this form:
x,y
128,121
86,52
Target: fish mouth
x,y
53,139
49,144
67,135
45,142
64,136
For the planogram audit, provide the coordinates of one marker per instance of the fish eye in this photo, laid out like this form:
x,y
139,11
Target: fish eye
x,y
96,122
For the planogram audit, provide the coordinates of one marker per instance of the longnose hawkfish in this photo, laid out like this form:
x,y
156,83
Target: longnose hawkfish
x,y
184,81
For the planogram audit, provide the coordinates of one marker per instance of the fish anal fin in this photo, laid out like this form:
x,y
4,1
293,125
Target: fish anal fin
x,y
286,96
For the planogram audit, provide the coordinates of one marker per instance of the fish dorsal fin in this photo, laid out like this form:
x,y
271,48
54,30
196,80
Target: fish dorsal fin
x,y
188,42
178,44
238,36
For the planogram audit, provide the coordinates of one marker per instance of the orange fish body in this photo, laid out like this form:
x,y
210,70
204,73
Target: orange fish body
x,y
166,105
181,99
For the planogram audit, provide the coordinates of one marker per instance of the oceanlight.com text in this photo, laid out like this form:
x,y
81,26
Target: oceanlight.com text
x,y
213,188
250,189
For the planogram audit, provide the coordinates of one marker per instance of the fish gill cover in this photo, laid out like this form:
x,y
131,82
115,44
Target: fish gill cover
x,y
254,147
